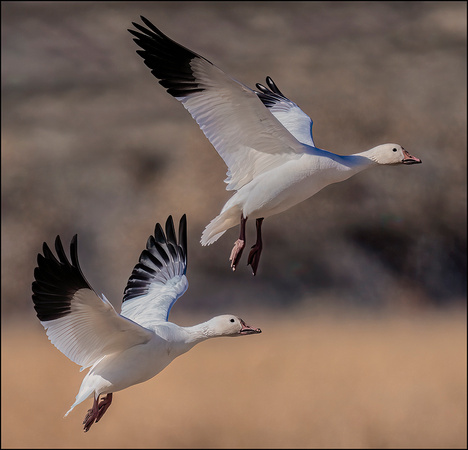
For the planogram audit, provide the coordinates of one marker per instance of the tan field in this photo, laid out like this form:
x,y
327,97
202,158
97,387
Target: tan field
x,y
310,380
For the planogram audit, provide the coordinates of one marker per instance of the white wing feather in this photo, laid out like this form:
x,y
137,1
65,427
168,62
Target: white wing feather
x,y
298,123
246,135
93,329
78,322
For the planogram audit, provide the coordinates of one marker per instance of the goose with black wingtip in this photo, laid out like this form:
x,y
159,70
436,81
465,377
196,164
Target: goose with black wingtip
x,y
131,347
264,138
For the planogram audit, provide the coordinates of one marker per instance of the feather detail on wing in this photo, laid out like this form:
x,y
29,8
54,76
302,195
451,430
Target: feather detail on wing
x,y
158,279
298,123
83,326
245,134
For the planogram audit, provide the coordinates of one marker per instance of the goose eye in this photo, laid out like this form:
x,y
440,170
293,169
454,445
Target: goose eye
x,y
232,320
394,149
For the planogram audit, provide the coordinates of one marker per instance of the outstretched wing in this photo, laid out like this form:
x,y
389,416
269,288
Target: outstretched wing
x,y
83,326
245,133
296,121
158,279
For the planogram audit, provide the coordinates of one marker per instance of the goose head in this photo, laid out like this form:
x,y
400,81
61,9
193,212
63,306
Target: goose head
x,y
391,154
229,325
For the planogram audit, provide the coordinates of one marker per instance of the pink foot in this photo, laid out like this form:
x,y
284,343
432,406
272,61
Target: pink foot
x,y
90,417
97,411
104,406
236,253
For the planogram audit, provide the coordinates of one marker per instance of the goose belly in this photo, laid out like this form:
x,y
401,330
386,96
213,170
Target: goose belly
x,y
121,370
280,189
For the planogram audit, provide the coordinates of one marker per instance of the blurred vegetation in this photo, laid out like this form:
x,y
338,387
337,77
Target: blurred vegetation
x,y
308,381
91,144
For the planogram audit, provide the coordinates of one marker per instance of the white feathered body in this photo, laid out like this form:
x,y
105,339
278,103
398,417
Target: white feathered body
x,y
282,187
264,138
135,365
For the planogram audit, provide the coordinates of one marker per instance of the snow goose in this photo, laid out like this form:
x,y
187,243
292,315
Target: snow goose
x,y
133,346
264,138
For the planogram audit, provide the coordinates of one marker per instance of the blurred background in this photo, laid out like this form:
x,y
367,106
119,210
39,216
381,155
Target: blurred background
x,y
361,291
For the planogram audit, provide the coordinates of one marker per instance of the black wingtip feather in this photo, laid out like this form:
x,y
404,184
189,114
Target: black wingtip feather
x,y
273,87
164,257
170,230
159,234
271,95
151,26
56,281
169,61
183,235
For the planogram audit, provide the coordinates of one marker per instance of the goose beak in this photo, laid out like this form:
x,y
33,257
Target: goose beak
x,y
246,329
409,159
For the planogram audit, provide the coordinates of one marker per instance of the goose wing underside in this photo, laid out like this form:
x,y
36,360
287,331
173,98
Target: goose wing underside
x,y
158,279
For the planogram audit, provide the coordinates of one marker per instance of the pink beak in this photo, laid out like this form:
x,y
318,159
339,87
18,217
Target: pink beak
x,y
409,159
246,329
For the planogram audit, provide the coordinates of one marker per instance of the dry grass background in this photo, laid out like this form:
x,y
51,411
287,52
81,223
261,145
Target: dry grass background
x,y
91,144
309,380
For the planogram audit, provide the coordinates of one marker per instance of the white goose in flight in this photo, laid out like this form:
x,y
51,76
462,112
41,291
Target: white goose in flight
x,y
264,138
133,346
